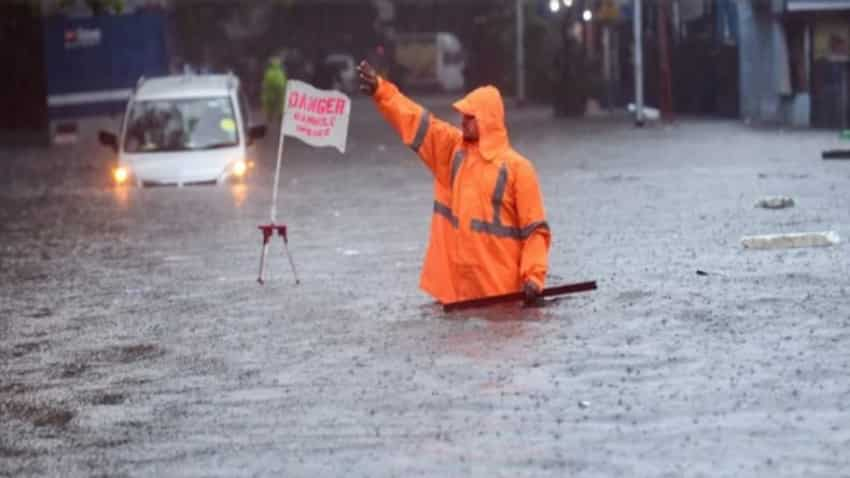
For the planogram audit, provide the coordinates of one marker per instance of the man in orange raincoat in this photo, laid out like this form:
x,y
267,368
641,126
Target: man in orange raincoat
x,y
489,234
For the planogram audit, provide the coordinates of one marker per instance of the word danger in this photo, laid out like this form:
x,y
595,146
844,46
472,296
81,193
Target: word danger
x,y
316,104
315,116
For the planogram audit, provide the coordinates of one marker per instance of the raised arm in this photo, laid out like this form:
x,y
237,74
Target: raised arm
x,y
432,139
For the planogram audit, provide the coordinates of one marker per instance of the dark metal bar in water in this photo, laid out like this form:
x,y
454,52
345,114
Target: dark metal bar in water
x,y
518,296
836,154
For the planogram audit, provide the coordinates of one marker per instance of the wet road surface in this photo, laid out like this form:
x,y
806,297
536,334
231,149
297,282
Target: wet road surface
x,y
134,340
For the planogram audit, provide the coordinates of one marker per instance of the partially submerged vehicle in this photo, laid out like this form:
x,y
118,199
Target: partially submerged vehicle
x,y
184,130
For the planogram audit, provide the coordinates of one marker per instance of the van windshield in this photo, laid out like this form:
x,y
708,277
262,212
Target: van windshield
x,y
181,125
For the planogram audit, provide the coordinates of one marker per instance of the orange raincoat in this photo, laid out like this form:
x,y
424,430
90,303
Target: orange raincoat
x,y
488,233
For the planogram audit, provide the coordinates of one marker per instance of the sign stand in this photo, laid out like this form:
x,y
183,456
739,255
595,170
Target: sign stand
x,y
317,117
269,229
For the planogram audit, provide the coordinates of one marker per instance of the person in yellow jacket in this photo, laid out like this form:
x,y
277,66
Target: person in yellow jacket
x,y
489,234
274,87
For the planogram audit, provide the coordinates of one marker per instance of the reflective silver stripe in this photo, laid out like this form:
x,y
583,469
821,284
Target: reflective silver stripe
x,y
499,194
445,211
511,232
528,230
456,162
421,131
496,228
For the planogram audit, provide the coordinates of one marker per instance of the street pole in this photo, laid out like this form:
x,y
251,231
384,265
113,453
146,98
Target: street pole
x,y
520,51
666,100
606,63
638,34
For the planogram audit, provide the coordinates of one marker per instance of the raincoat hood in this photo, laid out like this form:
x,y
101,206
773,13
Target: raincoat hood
x,y
486,105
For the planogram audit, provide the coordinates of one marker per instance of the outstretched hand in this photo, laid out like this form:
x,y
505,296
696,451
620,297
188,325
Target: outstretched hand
x,y
532,293
368,78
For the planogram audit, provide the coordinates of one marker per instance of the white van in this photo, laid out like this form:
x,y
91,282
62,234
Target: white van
x,y
183,130
431,60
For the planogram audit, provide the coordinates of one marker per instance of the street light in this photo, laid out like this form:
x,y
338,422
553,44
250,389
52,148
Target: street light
x,y
587,15
568,3
554,6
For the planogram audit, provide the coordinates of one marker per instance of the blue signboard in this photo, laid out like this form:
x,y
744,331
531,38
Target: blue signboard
x,y
93,63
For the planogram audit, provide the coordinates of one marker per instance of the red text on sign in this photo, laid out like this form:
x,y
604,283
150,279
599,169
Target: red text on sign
x,y
317,104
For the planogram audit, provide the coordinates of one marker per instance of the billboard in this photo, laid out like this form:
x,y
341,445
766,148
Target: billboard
x,y
93,63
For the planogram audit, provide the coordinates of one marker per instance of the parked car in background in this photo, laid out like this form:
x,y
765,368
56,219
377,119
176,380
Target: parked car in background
x,y
184,130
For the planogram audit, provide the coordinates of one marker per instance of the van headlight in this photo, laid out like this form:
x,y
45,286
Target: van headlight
x,y
239,168
120,175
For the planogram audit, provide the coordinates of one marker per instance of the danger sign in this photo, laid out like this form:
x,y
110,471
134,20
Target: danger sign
x,y
317,117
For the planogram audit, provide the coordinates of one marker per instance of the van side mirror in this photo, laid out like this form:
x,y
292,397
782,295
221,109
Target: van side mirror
x,y
108,139
256,132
